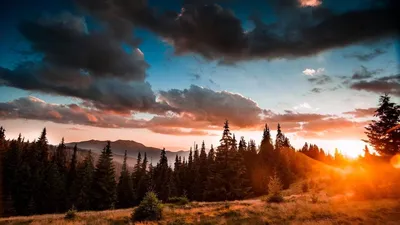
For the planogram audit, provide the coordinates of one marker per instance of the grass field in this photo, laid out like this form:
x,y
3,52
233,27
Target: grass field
x,y
297,209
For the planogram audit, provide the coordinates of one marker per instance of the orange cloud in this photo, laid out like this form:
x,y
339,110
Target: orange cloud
x,y
55,114
91,118
312,3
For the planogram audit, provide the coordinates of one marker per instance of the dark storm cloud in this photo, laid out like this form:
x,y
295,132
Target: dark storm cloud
x,y
388,84
65,43
105,94
364,73
216,33
93,67
368,56
320,79
203,104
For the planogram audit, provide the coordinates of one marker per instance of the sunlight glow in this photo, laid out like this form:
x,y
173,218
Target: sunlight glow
x,y
350,148
395,161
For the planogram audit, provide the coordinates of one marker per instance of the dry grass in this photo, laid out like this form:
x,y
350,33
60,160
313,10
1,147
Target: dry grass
x,y
296,210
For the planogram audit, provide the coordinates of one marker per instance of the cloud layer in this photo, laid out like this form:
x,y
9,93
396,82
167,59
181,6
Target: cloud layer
x,y
216,33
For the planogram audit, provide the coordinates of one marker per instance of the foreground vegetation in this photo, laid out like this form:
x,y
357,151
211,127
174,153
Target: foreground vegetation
x,y
297,209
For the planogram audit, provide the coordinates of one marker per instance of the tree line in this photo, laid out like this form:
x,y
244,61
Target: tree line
x,y
38,179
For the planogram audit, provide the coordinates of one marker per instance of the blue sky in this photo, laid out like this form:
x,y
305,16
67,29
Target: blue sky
x,y
276,84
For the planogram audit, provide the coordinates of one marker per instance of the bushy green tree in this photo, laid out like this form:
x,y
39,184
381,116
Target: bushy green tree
x,y
150,209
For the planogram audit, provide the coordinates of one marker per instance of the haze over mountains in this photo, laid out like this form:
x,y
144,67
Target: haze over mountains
x,y
133,148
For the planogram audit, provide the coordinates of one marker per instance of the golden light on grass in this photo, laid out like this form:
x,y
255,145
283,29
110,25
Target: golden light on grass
x,y
395,161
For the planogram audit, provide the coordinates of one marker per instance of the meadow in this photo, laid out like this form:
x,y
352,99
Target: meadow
x,y
312,207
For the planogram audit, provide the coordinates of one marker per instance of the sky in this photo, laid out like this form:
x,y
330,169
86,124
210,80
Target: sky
x,y
169,73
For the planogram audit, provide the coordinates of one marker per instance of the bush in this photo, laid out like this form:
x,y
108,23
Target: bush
x,y
274,189
70,214
274,185
304,187
275,199
314,197
179,200
149,209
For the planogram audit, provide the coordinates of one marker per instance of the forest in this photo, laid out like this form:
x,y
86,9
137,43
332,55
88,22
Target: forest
x,y
38,178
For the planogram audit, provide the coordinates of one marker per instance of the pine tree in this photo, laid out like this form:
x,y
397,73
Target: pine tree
x,y
22,193
189,176
60,161
383,141
162,174
267,160
201,174
2,151
103,187
137,174
71,178
53,189
81,187
222,172
40,168
125,195
280,138
211,156
144,185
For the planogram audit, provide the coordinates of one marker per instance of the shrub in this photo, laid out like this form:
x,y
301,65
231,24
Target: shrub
x,y
304,187
179,200
275,199
149,209
274,189
70,214
314,197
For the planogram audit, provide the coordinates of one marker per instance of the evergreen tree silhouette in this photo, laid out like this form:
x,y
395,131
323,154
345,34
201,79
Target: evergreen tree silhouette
x,y
380,135
81,187
161,178
103,187
125,195
71,178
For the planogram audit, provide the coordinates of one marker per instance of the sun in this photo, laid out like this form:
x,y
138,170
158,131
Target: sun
x,y
350,148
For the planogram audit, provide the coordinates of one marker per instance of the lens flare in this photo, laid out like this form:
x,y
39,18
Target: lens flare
x,y
395,161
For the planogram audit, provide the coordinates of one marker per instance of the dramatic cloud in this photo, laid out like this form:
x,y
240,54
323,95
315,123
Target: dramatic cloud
x,y
66,44
203,104
388,84
320,80
36,109
312,72
366,56
332,128
364,73
361,113
180,132
217,34
104,94
93,67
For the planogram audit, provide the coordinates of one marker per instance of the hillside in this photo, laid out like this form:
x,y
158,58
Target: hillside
x,y
300,210
133,148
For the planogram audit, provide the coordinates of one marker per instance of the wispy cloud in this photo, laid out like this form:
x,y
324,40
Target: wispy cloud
x,y
312,72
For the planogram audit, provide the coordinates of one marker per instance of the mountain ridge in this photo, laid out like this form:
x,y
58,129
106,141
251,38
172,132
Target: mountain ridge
x,y
119,146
